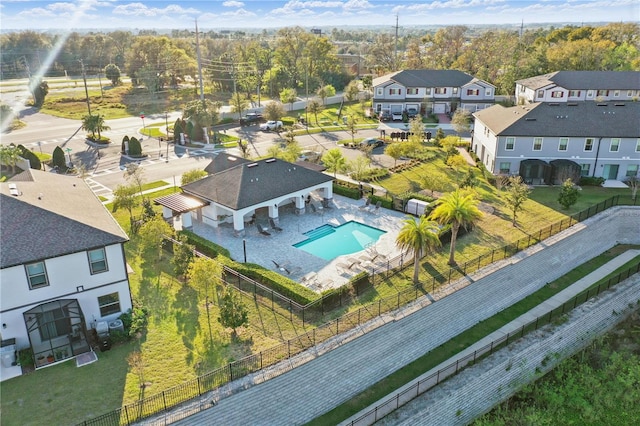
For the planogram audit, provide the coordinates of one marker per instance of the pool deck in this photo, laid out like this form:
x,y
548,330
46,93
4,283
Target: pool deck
x,y
311,271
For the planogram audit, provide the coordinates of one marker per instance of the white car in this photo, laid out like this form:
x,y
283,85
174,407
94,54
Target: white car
x,y
271,125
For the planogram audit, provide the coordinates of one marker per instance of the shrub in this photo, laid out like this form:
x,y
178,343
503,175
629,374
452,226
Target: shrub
x,y
205,246
591,181
134,320
58,159
135,149
34,161
125,141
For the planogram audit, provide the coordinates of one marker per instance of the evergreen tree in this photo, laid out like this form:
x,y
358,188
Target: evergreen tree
x,y
568,194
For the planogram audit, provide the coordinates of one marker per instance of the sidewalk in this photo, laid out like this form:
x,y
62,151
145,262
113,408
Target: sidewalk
x,y
524,319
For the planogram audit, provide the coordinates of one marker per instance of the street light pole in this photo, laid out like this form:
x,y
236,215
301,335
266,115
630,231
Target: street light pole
x,y
244,247
166,129
86,90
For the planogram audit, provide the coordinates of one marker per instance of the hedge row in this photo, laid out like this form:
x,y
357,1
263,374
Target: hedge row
x,y
404,166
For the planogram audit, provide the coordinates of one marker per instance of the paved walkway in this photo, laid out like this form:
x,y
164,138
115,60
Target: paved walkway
x,y
319,385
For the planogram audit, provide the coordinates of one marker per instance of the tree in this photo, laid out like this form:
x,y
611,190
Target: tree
x,y
458,208
352,127
39,89
288,96
461,121
439,137
352,91
204,275
325,92
183,254
359,166
192,176
633,182
57,158
9,155
274,111
516,193
395,150
34,161
136,362
125,197
94,123
420,238
431,182
135,174
238,103
334,161
112,72
233,313
201,114
153,234
569,194
314,107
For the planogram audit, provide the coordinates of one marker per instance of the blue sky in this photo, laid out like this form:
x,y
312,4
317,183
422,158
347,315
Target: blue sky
x,y
212,14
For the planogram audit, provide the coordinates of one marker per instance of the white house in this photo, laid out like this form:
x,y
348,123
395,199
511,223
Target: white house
x,y
62,266
431,91
578,86
548,142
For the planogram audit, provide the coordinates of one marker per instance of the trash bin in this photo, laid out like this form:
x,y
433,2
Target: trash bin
x,y
8,352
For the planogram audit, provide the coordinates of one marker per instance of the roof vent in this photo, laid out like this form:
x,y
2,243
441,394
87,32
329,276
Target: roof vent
x,y
601,104
13,189
252,165
270,160
530,119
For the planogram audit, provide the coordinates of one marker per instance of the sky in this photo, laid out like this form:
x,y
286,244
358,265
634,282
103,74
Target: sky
x,y
236,14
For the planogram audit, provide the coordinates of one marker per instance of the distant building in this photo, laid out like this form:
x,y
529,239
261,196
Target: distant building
x,y
578,86
548,142
431,91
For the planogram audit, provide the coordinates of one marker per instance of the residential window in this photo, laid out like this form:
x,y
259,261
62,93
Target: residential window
x,y
412,91
629,93
557,94
109,304
395,91
473,92
537,144
441,90
37,275
590,94
638,145
510,143
562,145
505,167
98,261
53,323
616,94
632,170
455,90
615,145
379,91
428,91
603,93
574,93
584,169
540,94
588,144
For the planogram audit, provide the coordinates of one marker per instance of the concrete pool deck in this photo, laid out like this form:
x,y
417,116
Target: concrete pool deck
x,y
296,263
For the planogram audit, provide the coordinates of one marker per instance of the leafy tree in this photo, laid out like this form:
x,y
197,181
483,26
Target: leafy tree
x,y
352,91
334,161
112,72
9,155
359,166
416,130
516,193
314,107
199,114
418,237
125,197
34,161
445,46
633,182
57,158
192,176
233,313
93,124
39,89
238,103
183,255
461,121
352,127
147,210
431,182
204,274
288,96
395,150
568,195
470,180
274,111
457,209
135,174
439,137
153,234
325,92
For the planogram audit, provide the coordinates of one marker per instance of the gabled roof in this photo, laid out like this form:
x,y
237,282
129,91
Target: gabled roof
x,y
223,162
427,78
583,80
578,119
52,215
252,183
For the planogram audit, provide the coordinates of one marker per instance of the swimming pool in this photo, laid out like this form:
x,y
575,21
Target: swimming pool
x,y
329,242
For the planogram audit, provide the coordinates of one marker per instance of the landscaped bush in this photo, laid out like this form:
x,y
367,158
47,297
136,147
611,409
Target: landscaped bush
x,y
404,166
135,148
134,320
33,159
205,246
591,181
346,189
372,174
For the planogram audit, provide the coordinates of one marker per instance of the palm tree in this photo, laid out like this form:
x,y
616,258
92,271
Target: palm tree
x,y
89,123
100,125
419,237
458,208
334,161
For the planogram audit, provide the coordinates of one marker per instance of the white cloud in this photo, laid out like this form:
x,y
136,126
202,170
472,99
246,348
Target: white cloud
x,y
233,3
140,9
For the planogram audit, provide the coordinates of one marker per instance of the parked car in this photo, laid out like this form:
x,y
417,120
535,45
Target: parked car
x,y
250,118
396,116
271,125
412,112
385,116
374,142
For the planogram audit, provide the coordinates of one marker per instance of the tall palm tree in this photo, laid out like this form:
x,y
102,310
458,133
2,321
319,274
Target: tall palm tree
x,y
419,237
458,208
100,125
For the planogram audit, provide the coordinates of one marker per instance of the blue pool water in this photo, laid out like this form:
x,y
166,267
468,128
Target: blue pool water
x,y
329,242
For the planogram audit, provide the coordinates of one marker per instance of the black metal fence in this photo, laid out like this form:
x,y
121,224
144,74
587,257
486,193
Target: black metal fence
x,y
172,397
423,385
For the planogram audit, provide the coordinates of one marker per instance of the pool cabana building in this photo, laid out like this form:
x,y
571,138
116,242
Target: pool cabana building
x,y
237,190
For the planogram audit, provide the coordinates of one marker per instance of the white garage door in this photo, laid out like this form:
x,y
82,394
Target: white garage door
x,y
439,108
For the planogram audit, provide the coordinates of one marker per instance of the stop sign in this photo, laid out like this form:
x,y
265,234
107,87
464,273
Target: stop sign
x,y
141,115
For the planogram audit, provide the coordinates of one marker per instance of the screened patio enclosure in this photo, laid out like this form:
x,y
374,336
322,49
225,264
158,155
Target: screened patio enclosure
x,y
56,331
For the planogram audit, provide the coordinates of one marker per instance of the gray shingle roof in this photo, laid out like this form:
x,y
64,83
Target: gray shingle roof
x,y
249,184
583,80
427,78
580,119
54,215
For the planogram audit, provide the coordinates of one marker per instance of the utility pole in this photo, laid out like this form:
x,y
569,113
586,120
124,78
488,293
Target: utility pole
x,y
86,90
395,52
199,64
